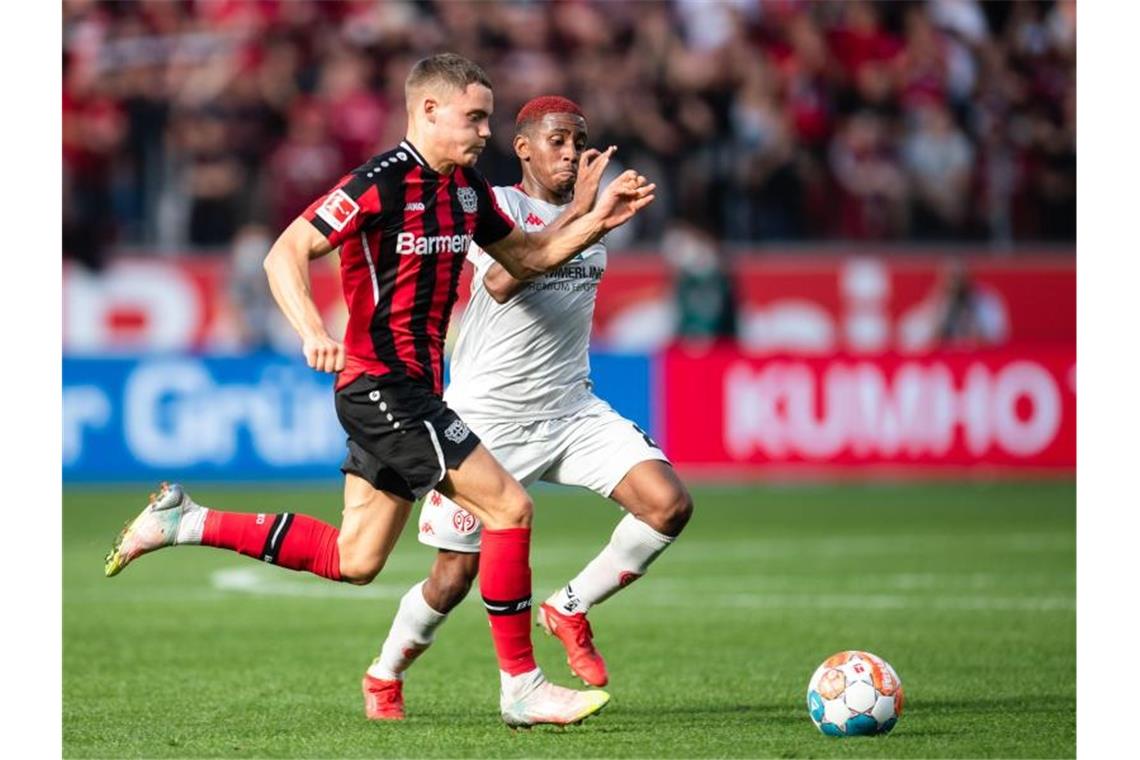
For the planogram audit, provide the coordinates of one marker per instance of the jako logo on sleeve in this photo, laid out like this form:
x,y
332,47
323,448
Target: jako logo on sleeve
x,y
408,244
338,209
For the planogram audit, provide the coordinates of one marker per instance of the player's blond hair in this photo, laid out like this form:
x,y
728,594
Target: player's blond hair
x,y
444,69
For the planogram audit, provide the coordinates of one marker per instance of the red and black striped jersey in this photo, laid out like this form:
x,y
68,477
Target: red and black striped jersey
x,y
403,232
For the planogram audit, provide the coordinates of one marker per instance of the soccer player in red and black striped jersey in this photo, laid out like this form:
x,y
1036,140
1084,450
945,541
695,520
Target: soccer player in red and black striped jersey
x,y
403,222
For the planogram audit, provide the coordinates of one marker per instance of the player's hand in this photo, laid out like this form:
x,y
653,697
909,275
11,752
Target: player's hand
x,y
627,194
324,354
591,166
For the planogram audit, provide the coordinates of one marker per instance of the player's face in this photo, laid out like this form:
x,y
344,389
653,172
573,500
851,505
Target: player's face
x,y
551,148
462,123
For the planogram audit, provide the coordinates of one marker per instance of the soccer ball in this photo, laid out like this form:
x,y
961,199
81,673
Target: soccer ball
x,y
854,693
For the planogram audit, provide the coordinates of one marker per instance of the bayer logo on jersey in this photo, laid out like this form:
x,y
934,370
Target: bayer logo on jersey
x,y
468,199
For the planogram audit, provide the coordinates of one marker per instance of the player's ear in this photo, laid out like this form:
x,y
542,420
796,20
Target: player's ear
x,y
522,146
430,107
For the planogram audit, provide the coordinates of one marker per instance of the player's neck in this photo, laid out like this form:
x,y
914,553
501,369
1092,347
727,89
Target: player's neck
x,y
531,187
435,162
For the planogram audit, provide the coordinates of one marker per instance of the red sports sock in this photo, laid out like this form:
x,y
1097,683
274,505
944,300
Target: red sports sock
x,y
298,542
504,582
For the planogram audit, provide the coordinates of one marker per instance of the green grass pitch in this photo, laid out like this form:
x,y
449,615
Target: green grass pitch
x,y
969,590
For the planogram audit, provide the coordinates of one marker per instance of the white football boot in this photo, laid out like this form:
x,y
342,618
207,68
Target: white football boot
x,y
529,700
155,527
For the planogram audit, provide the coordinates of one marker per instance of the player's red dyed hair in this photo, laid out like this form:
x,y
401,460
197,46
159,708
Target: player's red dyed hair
x,y
540,106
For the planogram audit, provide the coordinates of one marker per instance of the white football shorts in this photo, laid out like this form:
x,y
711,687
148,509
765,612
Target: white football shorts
x,y
594,449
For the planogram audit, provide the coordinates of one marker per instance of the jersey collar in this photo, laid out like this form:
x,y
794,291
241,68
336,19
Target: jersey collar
x,y
522,191
406,145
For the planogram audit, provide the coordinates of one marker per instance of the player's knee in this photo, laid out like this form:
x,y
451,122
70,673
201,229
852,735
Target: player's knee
x,y
514,510
671,509
358,567
359,573
519,509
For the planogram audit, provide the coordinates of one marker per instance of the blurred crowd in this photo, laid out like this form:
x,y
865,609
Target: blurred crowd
x,y
186,122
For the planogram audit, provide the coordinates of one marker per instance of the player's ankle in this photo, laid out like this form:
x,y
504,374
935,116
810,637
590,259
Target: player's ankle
x,y
191,525
564,601
521,681
382,672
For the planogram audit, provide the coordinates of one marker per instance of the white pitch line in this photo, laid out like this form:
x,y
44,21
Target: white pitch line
x,y
699,550
256,581
873,602
763,582
253,580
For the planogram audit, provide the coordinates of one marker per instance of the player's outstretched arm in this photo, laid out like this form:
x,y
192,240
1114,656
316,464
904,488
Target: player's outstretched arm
x,y
287,267
500,284
526,255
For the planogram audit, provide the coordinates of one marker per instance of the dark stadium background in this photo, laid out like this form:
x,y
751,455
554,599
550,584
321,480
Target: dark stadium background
x,y
853,304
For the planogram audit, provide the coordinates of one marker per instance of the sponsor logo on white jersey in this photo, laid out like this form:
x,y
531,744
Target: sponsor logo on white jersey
x,y
414,206
468,199
411,244
338,209
457,431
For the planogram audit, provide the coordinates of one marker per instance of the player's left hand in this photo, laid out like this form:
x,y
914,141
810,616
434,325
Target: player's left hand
x,y
627,194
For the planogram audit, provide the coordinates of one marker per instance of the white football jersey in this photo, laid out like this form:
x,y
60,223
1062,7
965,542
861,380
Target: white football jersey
x,y
528,358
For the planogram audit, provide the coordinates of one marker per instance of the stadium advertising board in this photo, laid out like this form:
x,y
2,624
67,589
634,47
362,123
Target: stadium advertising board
x,y
796,303
730,413
259,417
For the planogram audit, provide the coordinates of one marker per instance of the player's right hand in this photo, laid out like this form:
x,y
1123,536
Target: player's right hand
x,y
591,167
323,353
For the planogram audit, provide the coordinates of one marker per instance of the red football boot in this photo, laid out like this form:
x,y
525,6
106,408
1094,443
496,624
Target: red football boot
x,y
575,634
383,700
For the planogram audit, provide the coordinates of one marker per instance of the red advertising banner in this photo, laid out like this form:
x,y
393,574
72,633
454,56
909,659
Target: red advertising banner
x,y
795,303
728,413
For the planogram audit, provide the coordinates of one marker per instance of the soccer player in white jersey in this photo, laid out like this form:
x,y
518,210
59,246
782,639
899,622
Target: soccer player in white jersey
x,y
520,377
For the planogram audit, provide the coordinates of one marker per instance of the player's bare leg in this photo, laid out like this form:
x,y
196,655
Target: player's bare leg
x,y
481,486
422,610
659,506
355,553
370,526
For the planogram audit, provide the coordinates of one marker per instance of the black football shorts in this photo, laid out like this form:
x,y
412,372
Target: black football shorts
x,y
402,438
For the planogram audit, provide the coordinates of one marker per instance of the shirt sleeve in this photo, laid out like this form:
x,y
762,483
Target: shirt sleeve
x,y
345,209
493,224
479,258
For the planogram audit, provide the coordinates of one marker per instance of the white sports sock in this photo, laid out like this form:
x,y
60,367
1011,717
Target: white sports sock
x,y
631,550
413,631
513,687
191,525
